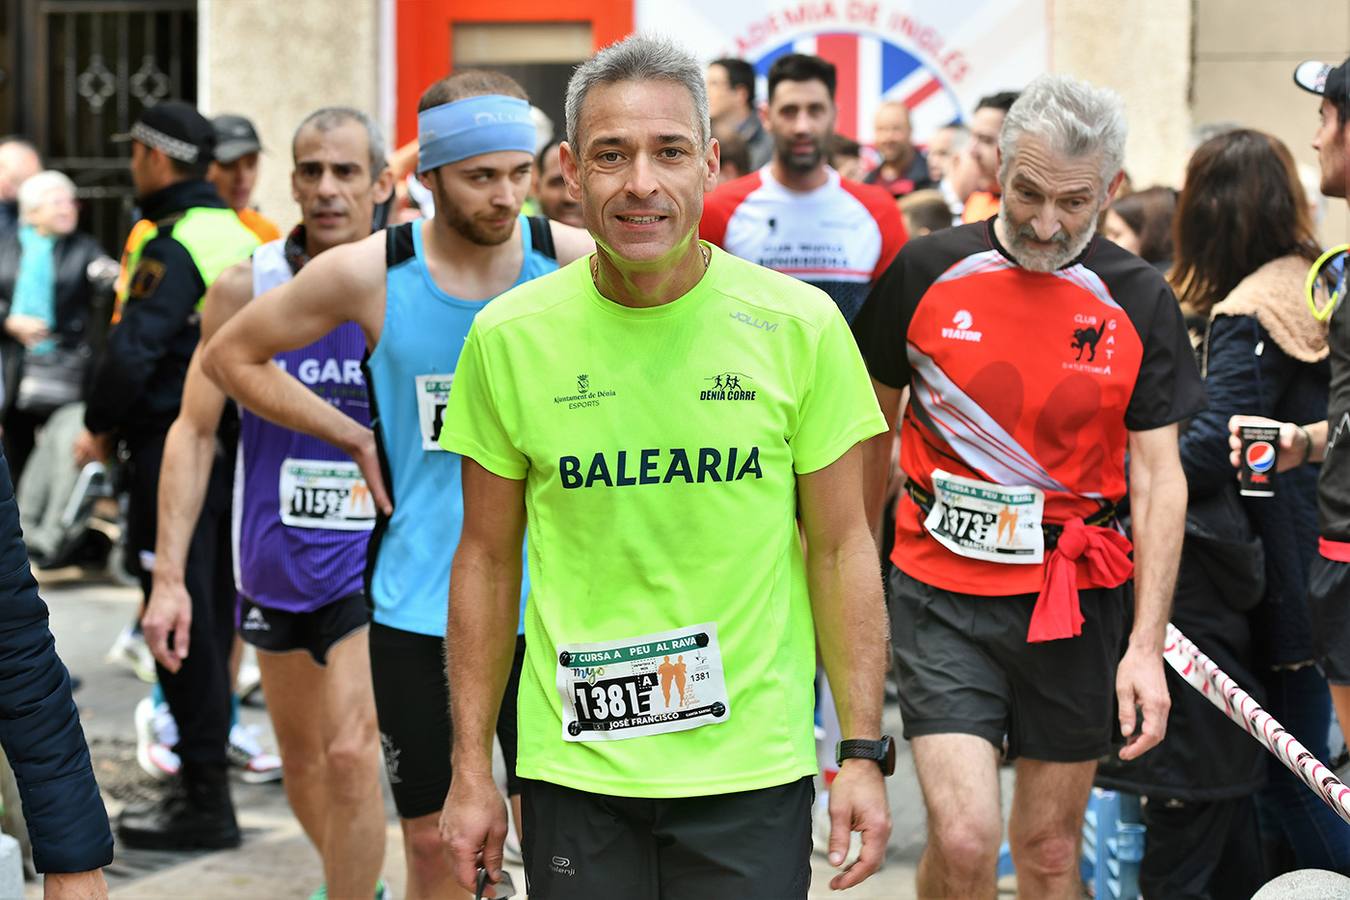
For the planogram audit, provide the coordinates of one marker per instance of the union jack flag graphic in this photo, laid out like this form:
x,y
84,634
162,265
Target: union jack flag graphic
x,y
872,70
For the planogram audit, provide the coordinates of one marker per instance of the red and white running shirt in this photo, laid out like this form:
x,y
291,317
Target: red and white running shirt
x,y
1022,378
839,237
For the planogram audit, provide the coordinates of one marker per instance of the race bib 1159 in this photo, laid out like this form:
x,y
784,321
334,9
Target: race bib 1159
x,y
328,494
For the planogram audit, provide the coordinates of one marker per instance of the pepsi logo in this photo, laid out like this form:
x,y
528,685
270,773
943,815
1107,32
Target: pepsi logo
x,y
1260,456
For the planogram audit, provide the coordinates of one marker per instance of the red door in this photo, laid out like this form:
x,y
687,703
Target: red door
x,y
425,36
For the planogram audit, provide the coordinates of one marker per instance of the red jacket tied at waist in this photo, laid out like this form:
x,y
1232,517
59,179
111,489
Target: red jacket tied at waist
x,y
1107,554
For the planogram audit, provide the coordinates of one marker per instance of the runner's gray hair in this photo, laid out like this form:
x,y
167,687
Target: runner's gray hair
x,y
639,58
1075,117
330,117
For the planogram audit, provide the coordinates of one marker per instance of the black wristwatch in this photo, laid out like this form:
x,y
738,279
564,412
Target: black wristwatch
x,y
882,751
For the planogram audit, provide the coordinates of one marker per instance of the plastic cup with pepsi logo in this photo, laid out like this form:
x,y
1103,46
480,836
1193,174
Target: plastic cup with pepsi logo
x,y
1260,453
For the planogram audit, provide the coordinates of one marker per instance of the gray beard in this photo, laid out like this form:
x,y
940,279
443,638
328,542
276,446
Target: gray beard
x,y
1042,260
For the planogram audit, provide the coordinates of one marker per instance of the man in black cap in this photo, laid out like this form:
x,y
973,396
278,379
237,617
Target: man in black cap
x,y
235,172
137,389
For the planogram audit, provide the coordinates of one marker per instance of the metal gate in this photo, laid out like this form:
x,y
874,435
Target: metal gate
x,y
81,71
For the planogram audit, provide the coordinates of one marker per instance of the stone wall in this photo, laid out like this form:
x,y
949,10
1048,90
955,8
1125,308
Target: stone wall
x,y
275,62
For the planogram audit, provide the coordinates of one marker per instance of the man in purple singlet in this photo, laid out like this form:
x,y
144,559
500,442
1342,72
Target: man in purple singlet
x,y
303,515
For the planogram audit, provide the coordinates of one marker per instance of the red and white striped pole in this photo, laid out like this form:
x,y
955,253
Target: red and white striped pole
x,y
1221,690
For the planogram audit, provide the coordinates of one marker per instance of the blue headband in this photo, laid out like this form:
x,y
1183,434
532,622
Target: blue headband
x,y
473,126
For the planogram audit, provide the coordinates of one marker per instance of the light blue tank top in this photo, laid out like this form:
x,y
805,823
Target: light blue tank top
x,y
409,375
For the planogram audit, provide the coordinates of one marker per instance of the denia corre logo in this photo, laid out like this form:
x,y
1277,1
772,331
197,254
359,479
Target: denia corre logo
x,y
960,330
728,386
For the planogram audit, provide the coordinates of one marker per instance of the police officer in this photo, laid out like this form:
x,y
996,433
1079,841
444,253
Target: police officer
x,y
136,393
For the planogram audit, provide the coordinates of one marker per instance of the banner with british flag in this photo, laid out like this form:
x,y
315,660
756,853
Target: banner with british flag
x,y
938,56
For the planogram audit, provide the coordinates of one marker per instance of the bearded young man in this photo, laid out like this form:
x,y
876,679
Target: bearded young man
x,y
414,290
1036,355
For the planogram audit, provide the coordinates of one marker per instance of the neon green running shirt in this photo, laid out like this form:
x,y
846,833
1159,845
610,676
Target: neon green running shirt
x,y
669,642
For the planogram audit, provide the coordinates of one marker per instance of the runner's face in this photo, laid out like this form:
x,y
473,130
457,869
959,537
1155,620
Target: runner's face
x,y
333,184
480,197
940,153
640,169
984,128
551,189
1050,204
721,98
1331,150
1117,230
235,181
801,117
892,132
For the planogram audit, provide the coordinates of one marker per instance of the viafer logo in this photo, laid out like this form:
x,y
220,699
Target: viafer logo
x,y
728,386
1260,456
961,328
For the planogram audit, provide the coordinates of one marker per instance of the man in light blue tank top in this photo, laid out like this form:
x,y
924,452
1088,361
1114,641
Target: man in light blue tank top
x,y
414,290
302,518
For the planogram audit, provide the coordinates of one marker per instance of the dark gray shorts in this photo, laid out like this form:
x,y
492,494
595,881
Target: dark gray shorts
x,y
584,846
965,667
1329,609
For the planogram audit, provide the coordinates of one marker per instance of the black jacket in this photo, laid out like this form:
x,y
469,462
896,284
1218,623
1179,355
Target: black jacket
x,y
80,312
1252,370
39,724
138,383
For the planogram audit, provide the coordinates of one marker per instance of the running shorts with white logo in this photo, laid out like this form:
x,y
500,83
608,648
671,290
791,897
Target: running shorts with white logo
x,y
744,844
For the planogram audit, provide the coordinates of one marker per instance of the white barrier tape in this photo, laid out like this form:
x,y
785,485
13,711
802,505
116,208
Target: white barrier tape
x,y
1200,673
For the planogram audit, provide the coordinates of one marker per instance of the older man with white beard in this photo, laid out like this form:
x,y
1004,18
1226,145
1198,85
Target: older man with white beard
x,y
1036,355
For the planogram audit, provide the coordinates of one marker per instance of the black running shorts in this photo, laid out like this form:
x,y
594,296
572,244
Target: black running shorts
x,y
413,709
965,667
316,631
1329,608
581,846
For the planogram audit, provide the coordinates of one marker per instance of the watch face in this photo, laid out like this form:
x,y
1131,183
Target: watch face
x,y
888,755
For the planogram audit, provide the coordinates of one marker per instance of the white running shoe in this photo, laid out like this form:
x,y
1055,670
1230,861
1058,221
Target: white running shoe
x,y
246,754
249,684
156,733
820,831
130,651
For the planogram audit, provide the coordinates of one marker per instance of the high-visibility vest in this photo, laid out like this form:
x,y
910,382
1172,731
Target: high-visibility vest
x,y
213,237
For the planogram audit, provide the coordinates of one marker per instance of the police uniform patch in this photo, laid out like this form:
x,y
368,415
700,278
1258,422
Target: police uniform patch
x,y
149,273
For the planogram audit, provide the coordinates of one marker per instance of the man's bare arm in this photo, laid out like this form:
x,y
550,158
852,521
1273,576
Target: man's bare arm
x,y
344,284
189,452
853,636
480,643
571,243
1158,514
877,456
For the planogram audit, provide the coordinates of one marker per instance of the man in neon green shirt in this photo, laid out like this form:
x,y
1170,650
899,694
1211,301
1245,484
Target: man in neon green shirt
x,y
662,413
